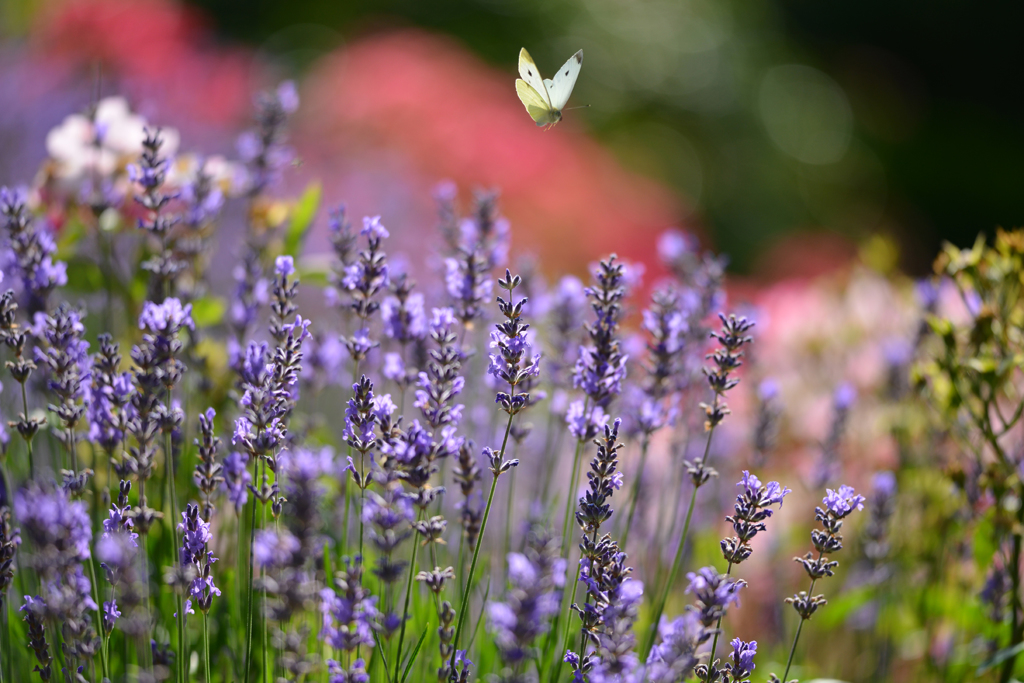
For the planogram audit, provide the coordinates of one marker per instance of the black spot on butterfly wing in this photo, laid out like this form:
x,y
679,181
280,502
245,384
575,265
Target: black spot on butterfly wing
x,y
566,73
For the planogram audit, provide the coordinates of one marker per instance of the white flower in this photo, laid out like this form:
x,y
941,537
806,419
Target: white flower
x,y
103,145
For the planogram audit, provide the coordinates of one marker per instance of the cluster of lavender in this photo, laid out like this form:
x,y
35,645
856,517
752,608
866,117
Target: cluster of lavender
x,y
144,422
32,249
478,244
117,551
150,174
613,598
60,532
66,356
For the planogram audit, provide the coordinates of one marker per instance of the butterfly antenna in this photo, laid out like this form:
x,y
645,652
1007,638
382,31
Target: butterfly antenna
x,y
582,106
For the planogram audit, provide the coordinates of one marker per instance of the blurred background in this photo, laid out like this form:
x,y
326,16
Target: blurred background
x,y
782,133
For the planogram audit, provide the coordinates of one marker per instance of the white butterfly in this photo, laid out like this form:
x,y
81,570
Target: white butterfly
x,y
544,99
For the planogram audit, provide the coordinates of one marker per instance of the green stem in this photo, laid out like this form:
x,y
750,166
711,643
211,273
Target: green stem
x,y
1016,625
508,525
28,442
408,595
635,493
718,627
252,541
6,671
99,620
206,647
362,497
464,606
263,617
677,561
552,639
796,637
169,470
571,493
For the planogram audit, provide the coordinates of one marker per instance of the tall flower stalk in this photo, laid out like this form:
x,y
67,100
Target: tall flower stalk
x,y
726,360
514,367
837,506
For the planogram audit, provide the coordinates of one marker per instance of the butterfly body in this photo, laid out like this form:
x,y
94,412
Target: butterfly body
x,y
544,98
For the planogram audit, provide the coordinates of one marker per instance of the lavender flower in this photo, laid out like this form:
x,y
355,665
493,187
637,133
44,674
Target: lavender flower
x,y
769,411
350,615
194,555
60,532
150,174
536,576
674,658
614,658
208,477
828,465
389,516
512,364
355,673
753,506
714,593
66,356
601,365
117,550
732,338
667,326
283,307
838,505
107,396
10,539
441,382
742,664
157,371
566,310
467,474
604,479
367,276
403,314
584,427
32,249
236,478
881,506
481,244
33,611
251,292
263,149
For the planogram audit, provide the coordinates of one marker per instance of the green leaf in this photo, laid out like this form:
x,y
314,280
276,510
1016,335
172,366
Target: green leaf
x,y
412,656
314,275
84,276
208,310
983,365
328,567
303,214
1000,657
480,617
70,235
383,657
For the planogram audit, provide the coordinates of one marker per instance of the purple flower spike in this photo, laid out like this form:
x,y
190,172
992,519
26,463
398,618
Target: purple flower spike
x,y
753,507
843,501
284,266
743,658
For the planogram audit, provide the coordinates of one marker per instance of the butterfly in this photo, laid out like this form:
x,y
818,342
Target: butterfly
x,y
544,99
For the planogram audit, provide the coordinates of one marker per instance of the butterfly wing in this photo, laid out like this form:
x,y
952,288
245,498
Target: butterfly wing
x,y
529,72
536,107
560,87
